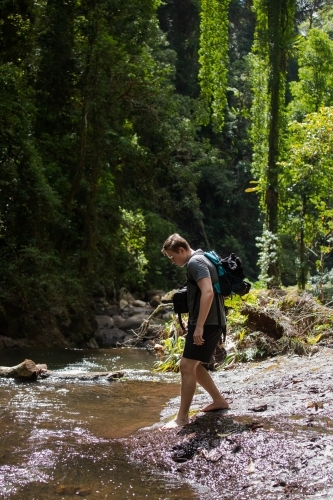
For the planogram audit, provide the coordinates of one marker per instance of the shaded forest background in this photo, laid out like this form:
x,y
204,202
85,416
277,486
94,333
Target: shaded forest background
x,y
103,151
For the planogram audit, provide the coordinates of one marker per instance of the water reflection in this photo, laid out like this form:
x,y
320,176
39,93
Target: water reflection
x,y
57,437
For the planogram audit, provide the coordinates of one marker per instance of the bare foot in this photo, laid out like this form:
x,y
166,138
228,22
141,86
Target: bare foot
x,y
221,405
173,424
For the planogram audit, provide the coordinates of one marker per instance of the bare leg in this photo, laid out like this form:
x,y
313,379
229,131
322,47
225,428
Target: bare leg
x,y
188,370
206,381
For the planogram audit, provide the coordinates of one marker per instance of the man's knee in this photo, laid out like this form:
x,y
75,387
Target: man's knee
x,y
188,365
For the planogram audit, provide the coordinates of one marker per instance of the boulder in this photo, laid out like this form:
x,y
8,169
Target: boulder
x,y
123,304
9,342
104,321
152,293
118,320
133,322
126,295
109,337
139,310
155,301
107,309
139,303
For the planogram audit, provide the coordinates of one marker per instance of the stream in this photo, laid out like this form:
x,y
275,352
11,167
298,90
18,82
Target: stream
x,y
59,438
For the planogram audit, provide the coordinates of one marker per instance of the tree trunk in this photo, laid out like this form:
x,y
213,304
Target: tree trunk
x,y
279,25
302,247
274,51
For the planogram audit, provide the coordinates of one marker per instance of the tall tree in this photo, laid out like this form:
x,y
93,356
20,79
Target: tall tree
x,y
274,35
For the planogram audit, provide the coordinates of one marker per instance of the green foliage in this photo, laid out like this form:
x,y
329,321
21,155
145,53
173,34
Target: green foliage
x,y
213,58
131,258
101,155
159,270
315,72
173,347
306,178
269,250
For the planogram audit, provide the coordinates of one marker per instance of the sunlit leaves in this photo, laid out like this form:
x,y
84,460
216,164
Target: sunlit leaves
x,y
213,58
306,197
314,88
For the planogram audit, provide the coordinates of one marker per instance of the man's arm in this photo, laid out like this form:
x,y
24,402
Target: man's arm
x,y
206,299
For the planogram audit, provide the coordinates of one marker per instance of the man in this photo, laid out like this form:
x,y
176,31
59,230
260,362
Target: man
x,y
205,326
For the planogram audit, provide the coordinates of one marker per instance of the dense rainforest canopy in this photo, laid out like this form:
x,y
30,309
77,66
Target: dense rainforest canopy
x,y
123,122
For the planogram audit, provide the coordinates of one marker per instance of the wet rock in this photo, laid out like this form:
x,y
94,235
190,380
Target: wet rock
x,y
139,303
112,309
104,321
109,337
118,320
139,310
134,322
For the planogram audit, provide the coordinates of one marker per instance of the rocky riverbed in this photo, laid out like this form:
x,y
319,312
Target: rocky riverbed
x,y
276,441
108,323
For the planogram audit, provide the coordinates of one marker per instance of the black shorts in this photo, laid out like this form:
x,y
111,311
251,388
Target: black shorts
x,y
212,336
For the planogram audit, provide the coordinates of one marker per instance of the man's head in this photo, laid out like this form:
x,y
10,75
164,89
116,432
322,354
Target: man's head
x,y
177,249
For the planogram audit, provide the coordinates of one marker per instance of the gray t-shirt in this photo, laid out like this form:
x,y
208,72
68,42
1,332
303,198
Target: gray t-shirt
x,y
199,267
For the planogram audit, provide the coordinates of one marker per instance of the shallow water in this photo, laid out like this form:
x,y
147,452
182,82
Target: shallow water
x,y
58,437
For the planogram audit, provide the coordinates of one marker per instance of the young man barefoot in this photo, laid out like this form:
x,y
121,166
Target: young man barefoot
x,y
205,326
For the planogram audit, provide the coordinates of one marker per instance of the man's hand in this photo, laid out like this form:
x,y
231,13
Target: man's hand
x,y
197,336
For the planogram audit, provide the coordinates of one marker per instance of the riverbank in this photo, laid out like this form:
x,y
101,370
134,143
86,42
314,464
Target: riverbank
x,y
274,442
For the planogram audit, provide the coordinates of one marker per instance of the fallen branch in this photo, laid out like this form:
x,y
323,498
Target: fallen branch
x,y
142,331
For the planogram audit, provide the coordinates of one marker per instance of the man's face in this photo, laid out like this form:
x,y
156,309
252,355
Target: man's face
x,y
179,258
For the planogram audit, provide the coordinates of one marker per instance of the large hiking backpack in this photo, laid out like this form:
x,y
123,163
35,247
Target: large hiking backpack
x,y
231,281
231,275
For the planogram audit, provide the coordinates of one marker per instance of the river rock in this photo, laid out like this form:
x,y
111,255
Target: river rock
x,y
118,320
139,303
132,311
110,337
133,322
9,342
107,309
123,304
126,295
155,301
153,293
104,321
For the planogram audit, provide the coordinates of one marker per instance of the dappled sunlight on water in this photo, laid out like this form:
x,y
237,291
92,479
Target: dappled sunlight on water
x,y
57,437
